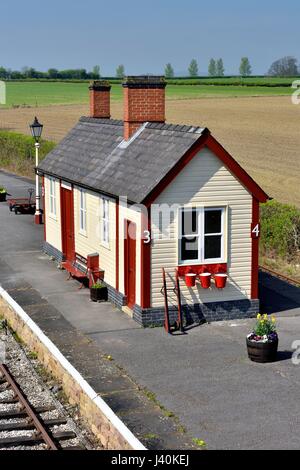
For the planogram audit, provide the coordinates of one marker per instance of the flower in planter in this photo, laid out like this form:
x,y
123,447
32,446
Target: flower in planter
x,y
98,285
2,190
264,330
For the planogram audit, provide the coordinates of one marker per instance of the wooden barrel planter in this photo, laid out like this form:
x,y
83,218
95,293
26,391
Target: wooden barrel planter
x,y
262,352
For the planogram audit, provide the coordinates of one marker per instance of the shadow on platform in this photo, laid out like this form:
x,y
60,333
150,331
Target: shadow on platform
x,y
277,296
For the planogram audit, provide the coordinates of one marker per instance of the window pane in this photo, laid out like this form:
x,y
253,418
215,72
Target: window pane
x,y
105,209
107,233
52,197
189,248
189,222
212,247
213,221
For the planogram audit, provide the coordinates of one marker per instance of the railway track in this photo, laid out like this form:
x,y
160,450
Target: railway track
x,y
25,422
289,280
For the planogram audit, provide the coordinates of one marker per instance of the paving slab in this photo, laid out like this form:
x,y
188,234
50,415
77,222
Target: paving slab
x,y
107,379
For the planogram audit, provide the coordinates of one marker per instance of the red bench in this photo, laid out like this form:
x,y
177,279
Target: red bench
x,y
84,268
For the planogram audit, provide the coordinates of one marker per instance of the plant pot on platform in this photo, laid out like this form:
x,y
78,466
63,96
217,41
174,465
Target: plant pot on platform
x,y
220,280
190,279
3,196
205,280
262,352
98,293
262,343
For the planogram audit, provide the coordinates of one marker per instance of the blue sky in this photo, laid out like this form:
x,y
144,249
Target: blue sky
x,y
145,35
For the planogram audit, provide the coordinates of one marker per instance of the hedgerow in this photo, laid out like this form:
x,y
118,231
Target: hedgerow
x,y
280,230
17,152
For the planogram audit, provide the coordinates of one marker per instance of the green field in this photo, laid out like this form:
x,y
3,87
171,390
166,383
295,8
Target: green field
x,y
237,81
45,93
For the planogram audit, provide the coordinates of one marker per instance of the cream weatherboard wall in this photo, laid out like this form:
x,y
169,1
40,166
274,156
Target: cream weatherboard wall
x,y
89,242
53,221
205,181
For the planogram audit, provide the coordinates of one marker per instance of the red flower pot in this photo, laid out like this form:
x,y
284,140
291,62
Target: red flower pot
x,y
205,279
190,279
220,280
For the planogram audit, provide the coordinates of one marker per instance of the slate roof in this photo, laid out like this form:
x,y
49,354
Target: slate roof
x,y
94,155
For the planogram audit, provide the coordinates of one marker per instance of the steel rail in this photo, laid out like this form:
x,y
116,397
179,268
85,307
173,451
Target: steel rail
x,y
29,410
280,276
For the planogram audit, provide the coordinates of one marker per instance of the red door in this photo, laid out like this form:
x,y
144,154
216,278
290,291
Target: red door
x,y
129,261
67,224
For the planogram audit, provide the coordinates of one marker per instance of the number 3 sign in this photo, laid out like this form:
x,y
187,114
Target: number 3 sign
x,y
147,237
255,230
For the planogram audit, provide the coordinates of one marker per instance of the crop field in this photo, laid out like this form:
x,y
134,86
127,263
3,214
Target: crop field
x,y
52,93
262,133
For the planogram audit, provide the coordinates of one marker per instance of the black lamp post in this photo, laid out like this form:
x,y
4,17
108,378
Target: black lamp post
x,y
36,131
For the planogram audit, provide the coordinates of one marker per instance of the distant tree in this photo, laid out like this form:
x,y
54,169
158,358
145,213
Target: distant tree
x,y
30,72
53,73
245,67
284,67
193,68
3,73
169,71
81,74
96,72
16,75
120,71
220,68
9,74
76,74
212,69
24,71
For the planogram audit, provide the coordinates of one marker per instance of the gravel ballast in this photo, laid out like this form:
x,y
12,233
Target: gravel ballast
x,y
41,390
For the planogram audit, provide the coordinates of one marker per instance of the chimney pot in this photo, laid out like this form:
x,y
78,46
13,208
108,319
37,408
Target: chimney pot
x,y
144,101
100,99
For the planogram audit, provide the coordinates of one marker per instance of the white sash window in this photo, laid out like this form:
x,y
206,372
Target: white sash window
x,y
82,211
202,235
105,222
52,197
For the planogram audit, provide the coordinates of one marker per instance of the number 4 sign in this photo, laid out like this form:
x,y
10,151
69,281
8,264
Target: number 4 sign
x,y
255,230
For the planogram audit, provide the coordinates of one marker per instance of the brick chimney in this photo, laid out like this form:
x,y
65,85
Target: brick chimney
x,y
100,99
144,100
